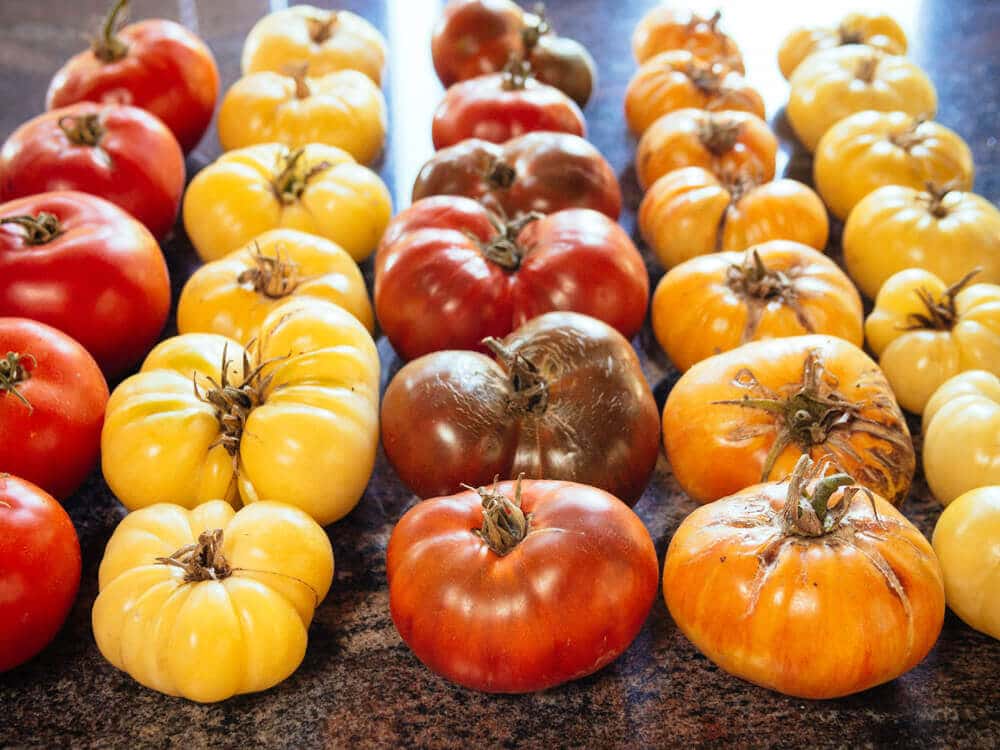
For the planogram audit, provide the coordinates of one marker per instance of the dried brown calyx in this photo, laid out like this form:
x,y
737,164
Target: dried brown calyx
x,y
516,73
201,561
275,277
82,130
13,373
297,72
911,137
505,525
504,249
537,26
108,46
38,229
808,514
847,35
499,175
934,196
759,285
719,134
865,70
531,390
292,175
321,29
940,313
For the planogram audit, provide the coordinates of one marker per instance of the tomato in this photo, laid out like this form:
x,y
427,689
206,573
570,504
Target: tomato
x,y
305,398
676,79
343,109
209,603
564,398
733,145
946,232
832,84
501,106
520,586
875,30
233,295
690,212
746,415
120,153
325,40
717,302
84,266
544,172
924,332
565,64
965,540
317,189
870,149
449,273
961,429
664,28
816,589
156,65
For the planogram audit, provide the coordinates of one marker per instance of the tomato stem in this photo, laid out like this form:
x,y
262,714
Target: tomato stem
x,y
82,130
499,175
865,71
758,285
942,313
108,46
908,139
531,390
201,561
719,133
847,36
293,176
39,229
13,372
505,525
321,29
935,195
297,72
272,277
535,29
809,514
504,249
516,73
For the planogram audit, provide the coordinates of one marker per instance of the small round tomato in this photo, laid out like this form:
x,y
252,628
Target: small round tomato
x,y
449,273
156,65
520,586
565,64
52,399
665,28
733,145
39,569
544,172
120,153
875,30
84,266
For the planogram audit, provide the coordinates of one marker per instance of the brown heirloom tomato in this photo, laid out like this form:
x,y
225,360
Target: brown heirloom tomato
x,y
544,172
816,589
746,415
717,302
449,273
664,28
520,586
564,399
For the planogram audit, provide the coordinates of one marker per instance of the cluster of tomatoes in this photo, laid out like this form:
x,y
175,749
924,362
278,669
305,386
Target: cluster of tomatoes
x,y
512,291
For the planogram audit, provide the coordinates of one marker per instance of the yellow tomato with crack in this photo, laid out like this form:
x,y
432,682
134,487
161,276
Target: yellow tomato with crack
x,y
209,603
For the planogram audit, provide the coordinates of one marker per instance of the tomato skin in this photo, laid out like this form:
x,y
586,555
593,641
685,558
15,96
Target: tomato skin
x,y
167,70
486,621
39,569
664,28
103,280
878,31
474,37
436,289
137,164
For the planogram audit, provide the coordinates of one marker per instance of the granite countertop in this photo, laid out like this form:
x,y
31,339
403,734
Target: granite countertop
x,y
359,685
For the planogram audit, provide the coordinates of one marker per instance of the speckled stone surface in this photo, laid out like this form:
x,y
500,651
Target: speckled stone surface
x,y
359,686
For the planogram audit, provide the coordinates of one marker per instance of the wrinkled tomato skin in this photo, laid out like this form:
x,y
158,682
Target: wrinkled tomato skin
x,y
474,37
137,164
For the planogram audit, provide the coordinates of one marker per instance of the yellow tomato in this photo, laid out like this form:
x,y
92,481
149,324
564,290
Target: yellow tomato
x,y
317,189
209,603
946,233
873,30
924,332
233,295
343,109
832,84
962,435
328,40
203,420
965,540
870,149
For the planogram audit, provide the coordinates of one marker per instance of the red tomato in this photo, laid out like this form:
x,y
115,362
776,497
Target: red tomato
x,y
474,37
52,399
120,153
39,569
449,273
157,65
84,266
514,589
501,106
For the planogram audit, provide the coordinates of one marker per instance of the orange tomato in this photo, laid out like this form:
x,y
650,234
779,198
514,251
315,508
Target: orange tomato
x,y
717,302
874,30
666,28
746,415
690,212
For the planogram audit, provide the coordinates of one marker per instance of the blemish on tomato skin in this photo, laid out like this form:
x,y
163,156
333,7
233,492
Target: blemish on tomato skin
x,y
722,559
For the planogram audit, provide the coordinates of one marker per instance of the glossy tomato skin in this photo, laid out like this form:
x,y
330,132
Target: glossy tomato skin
x,y
557,607
136,163
437,288
166,70
474,37
544,172
595,423
52,436
39,569
566,64
103,280
492,108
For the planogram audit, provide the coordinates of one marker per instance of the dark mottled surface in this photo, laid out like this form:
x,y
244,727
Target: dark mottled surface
x,y
359,685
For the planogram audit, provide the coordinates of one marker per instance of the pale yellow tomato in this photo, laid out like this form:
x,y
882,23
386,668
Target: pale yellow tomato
x,y
947,233
209,603
202,419
967,542
317,189
328,40
870,149
832,84
872,29
962,435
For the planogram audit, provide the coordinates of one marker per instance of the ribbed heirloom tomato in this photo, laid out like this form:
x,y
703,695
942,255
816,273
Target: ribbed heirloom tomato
x,y
449,273
665,28
874,30
520,586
